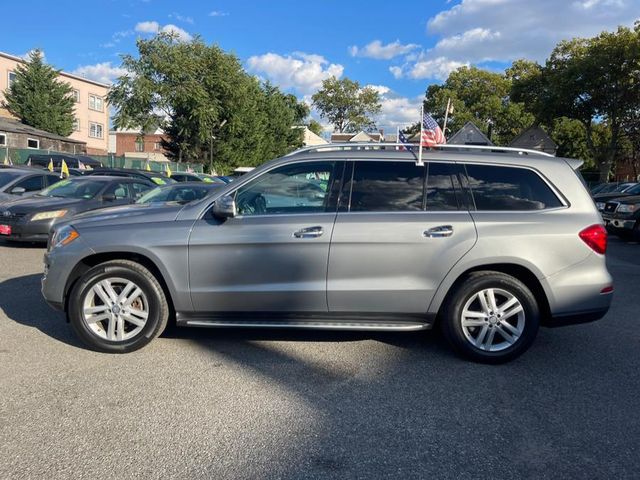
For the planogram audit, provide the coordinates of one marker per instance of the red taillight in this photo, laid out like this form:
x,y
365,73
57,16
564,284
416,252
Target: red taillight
x,y
596,237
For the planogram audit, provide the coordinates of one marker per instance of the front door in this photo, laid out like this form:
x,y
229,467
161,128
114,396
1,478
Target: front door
x,y
272,256
403,228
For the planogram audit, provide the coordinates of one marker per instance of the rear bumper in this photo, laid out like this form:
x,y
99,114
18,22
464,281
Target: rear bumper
x,y
27,231
575,318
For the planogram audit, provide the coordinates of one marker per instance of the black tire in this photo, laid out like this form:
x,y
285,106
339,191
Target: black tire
x,y
158,308
635,233
451,320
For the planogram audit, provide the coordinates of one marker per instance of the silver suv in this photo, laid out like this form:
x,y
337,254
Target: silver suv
x,y
488,243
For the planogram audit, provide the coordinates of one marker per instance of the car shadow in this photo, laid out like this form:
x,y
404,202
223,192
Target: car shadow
x,y
21,301
30,245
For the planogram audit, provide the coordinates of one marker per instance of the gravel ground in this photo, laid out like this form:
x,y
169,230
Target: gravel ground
x,y
273,404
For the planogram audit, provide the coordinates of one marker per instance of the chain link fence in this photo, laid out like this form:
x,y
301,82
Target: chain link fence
x,y
20,156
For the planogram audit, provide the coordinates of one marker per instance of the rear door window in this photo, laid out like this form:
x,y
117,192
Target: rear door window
x,y
386,187
497,188
443,190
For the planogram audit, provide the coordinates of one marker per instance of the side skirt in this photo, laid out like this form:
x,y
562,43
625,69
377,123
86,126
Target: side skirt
x,y
325,321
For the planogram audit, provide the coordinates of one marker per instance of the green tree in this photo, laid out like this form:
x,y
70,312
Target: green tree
x,y
210,108
39,99
346,105
591,80
315,127
481,97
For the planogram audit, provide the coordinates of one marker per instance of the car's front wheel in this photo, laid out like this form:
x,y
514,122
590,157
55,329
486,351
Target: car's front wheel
x,y
491,317
118,307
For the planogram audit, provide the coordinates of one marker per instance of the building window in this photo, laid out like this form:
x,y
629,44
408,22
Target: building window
x,y
95,103
157,146
95,130
139,144
11,77
76,125
3,139
76,95
33,143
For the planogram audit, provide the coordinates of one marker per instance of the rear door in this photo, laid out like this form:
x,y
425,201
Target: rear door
x,y
399,230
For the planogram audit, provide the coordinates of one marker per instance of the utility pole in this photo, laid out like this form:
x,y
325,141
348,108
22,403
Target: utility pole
x,y
446,117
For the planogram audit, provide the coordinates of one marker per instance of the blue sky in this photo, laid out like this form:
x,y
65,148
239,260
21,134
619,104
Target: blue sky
x,y
398,47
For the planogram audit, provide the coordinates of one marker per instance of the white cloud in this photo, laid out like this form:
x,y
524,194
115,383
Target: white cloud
x,y
377,50
101,72
504,30
218,13
437,68
147,27
396,110
298,71
154,28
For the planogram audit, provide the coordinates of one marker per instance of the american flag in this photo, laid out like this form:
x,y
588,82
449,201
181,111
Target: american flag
x,y
430,134
402,138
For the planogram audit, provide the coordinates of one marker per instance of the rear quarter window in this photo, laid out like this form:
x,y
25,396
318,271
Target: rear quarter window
x,y
509,188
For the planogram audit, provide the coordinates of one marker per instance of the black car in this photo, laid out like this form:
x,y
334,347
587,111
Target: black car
x,y
622,216
30,219
155,177
18,181
602,198
181,193
72,161
196,177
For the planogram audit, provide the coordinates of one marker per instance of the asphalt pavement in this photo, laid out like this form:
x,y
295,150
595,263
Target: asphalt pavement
x,y
287,404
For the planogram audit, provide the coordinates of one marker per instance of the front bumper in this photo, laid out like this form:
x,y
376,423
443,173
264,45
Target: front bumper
x,y
59,264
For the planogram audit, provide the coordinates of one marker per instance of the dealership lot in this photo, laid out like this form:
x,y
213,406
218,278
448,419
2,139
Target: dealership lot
x,y
274,404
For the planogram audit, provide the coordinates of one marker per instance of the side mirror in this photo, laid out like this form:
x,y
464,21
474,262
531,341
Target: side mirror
x,y
225,207
109,197
18,190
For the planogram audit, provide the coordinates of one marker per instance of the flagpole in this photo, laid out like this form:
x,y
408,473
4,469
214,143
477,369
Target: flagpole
x,y
420,163
397,136
446,117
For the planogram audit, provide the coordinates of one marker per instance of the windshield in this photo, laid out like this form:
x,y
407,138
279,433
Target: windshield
x,y
635,190
73,189
177,194
6,177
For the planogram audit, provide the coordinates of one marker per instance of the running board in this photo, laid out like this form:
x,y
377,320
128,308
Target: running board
x,y
311,324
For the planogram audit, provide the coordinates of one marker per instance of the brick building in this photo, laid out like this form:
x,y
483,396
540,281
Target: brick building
x,y
134,144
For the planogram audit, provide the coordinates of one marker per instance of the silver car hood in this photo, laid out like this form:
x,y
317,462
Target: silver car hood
x,y
128,214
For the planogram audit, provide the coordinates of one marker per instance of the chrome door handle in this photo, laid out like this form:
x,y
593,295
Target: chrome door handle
x,y
309,232
438,232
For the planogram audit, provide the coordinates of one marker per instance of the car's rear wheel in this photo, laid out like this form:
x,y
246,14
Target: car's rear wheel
x,y
491,317
118,307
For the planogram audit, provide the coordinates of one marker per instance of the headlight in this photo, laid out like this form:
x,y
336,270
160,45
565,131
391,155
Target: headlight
x,y
600,205
64,236
48,215
628,207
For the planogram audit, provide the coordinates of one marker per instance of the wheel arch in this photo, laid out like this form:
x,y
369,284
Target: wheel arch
x,y
91,261
518,271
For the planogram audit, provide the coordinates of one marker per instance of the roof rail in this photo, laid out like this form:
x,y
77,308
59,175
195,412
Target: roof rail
x,y
377,145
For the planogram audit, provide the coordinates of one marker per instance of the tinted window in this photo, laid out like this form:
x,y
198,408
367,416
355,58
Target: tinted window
x,y
443,187
119,190
6,177
386,187
51,179
509,188
139,189
31,184
300,188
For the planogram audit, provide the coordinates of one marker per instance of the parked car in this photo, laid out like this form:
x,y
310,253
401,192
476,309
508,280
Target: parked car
x,y
601,199
180,193
489,245
155,177
72,161
196,177
622,217
16,182
30,219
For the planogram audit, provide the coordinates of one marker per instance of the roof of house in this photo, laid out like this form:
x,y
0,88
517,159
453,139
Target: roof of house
x,y
469,134
361,136
15,126
535,138
64,74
